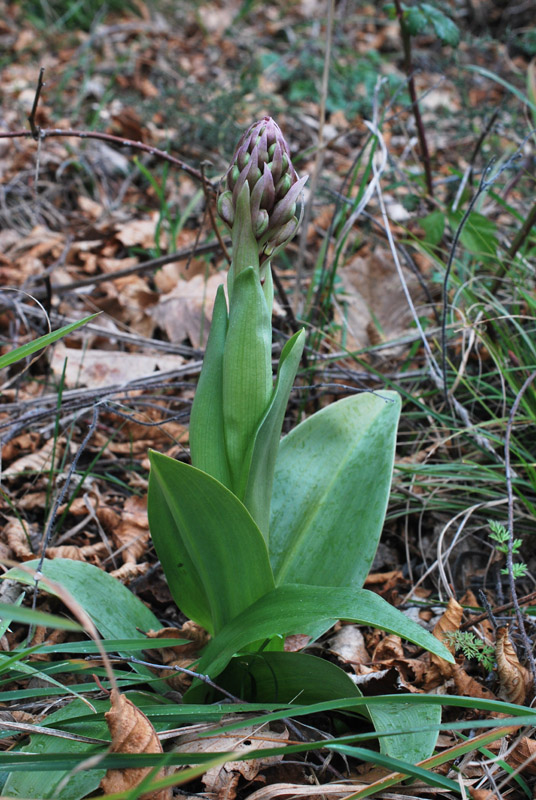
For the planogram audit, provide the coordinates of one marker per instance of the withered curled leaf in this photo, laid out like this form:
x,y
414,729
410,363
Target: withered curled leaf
x,y
131,732
513,676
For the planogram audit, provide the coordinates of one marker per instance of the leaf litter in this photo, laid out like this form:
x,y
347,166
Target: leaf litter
x,y
92,214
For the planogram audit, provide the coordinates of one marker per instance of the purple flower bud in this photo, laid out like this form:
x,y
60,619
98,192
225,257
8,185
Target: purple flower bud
x,y
262,158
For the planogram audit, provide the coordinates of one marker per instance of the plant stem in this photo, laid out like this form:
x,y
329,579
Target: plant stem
x,y
408,69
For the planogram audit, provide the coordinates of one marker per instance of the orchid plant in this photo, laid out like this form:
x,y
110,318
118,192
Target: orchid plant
x,y
262,537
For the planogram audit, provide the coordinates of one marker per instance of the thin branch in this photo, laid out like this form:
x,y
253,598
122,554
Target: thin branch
x,y
408,68
138,269
120,141
35,129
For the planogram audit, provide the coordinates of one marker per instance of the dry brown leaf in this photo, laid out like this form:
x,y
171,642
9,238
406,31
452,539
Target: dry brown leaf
x,y
390,647
26,442
375,307
299,790
141,232
223,780
16,537
131,732
515,679
449,623
348,644
182,655
129,570
132,533
186,311
482,794
90,552
524,753
469,687
39,461
98,368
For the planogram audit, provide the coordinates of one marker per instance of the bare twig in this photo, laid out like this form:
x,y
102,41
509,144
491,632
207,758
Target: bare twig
x,y
138,269
522,601
408,68
120,141
35,129
185,671
509,556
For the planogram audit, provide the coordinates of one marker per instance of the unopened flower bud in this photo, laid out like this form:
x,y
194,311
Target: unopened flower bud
x,y
262,159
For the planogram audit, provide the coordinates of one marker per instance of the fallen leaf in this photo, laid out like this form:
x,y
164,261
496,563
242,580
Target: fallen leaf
x,y
514,678
39,461
523,756
223,780
449,622
131,732
348,644
186,311
373,307
17,537
132,533
98,368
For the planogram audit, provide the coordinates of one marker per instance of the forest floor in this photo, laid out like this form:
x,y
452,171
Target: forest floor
x,y
96,223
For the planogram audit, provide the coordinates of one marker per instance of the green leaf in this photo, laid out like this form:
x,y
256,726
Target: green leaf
x,y
247,371
270,677
478,234
417,743
280,677
193,515
44,784
207,441
295,608
115,611
445,29
433,226
15,613
43,341
258,494
331,487
414,20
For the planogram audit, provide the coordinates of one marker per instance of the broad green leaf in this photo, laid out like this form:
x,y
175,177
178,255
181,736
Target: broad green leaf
x,y
247,369
260,475
305,679
183,578
271,677
331,487
433,226
115,611
43,341
415,20
207,442
478,234
421,724
214,528
295,608
44,784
